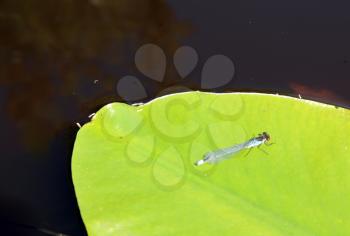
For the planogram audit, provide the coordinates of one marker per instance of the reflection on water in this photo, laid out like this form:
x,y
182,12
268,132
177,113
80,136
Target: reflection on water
x,y
60,61
57,54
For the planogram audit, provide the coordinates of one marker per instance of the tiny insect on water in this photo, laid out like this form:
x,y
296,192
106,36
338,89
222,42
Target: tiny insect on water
x,y
225,153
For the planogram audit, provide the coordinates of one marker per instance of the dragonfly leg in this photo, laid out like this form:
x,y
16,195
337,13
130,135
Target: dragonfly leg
x,y
248,152
263,150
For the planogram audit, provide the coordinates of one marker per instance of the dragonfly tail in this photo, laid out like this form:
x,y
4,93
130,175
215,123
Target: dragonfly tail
x,y
200,162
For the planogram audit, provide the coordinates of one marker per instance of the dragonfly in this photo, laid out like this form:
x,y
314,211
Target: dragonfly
x,y
225,153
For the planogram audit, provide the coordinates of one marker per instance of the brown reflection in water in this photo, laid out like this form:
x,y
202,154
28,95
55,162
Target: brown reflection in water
x,y
318,94
44,43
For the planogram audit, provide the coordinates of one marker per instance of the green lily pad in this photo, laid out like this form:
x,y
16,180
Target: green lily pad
x,y
133,169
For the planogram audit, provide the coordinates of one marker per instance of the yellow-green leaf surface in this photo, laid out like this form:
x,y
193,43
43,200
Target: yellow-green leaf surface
x,y
133,169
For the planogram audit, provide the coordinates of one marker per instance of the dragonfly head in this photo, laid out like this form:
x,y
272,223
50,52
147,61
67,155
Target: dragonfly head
x,y
265,136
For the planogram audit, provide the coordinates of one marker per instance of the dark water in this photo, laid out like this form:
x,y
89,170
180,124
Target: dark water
x,y
61,60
